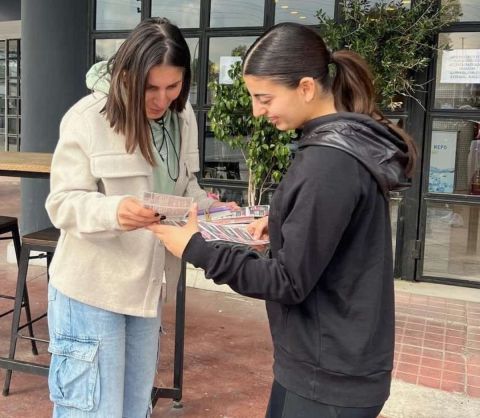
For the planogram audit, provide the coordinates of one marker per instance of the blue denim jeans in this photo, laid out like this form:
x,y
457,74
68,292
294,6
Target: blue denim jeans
x,y
103,364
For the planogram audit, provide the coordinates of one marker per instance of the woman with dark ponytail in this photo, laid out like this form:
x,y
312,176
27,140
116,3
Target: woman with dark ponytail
x,y
328,281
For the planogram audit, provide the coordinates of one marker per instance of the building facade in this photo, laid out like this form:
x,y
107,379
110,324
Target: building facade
x,y
435,223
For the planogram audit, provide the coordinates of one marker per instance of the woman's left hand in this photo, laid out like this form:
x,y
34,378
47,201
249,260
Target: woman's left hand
x,y
176,238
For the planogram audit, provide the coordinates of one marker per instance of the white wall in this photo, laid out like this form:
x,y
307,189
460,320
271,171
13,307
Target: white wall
x,y
10,29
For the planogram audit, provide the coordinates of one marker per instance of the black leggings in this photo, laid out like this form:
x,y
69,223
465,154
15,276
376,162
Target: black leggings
x,y
286,404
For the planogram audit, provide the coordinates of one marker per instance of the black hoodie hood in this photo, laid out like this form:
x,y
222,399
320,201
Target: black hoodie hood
x,y
380,150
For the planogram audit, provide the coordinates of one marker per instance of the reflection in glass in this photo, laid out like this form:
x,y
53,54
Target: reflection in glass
x,y
225,13
225,194
457,83
13,106
117,14
303,11
451,241
395,204
12,68
469,9
105,48
13,88
183,13
225,47
193,44
2,50
450,155
221,161
12,126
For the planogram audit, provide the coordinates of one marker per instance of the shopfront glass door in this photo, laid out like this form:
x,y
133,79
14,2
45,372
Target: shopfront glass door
x,y
450,198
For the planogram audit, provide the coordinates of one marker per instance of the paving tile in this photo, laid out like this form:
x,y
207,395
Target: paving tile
x,y
449,386
406,377
453,377
473,380
431,353
473,391
429,382
409,358
434,373
432,363
454,367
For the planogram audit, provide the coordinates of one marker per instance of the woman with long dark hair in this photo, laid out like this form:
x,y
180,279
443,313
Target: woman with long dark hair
x,y
328,281
135,133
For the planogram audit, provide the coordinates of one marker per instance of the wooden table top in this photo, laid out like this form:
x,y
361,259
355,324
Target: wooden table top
x,y
25,164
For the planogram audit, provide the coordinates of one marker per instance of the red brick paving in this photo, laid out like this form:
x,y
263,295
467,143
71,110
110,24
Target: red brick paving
x,y
438,343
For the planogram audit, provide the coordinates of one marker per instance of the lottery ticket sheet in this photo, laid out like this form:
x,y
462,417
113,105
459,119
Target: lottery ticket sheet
x,y
176,208
214,232
172,207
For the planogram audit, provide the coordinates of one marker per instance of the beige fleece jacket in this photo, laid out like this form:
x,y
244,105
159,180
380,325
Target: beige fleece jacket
x,y
95,261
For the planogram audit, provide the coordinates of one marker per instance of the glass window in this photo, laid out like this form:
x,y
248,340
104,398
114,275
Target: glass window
x,y
469,9
226,194
454,156
117,14
105,48
12,126
13,90
13,106
396,202
303,11
225,47
221,161
193,44
451,241
457,84
225,13
183,13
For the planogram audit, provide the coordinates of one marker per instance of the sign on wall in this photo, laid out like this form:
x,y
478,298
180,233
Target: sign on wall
x,y
461,66
442,162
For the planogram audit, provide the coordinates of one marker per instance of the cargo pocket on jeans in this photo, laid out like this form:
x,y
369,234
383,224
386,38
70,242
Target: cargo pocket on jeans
x,y
73,377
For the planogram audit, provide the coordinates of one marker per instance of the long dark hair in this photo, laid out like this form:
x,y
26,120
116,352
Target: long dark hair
x,y
287,52
154,41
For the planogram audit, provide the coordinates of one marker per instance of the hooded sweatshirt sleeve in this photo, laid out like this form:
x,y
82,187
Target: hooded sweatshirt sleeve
x,y
318,197
98,78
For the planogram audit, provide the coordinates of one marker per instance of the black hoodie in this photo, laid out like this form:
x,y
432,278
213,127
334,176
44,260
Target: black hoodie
x,y
329,281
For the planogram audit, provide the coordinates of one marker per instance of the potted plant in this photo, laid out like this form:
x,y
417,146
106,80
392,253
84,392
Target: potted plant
x,y
397,41
266,150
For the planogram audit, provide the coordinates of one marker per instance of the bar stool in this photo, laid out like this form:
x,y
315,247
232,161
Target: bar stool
x,y
44,241
10,225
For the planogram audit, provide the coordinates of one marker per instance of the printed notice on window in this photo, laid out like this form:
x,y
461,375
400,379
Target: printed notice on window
x,y
461,66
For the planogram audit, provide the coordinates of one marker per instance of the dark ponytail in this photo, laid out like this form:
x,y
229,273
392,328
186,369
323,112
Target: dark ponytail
x,y
352,87
353,91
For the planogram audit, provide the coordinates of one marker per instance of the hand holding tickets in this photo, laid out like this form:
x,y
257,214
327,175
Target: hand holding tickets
x,y
176,238
131,214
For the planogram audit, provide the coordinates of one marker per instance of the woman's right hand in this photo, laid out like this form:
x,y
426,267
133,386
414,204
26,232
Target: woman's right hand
x,y
259,230
131,214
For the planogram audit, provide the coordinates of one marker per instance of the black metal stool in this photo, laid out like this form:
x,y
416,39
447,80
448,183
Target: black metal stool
x,y
10,225
44,241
